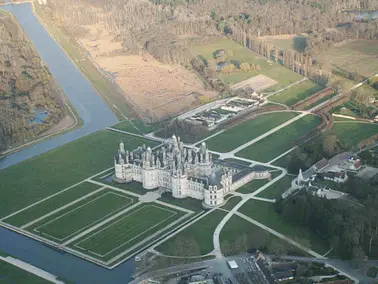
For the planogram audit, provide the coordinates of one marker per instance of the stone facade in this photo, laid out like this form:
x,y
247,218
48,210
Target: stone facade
x,y
185,171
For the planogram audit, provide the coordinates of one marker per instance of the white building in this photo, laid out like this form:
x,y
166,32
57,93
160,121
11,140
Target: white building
x,y
185,171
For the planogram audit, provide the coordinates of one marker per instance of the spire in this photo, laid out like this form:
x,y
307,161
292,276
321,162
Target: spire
x,y
122,148
300,176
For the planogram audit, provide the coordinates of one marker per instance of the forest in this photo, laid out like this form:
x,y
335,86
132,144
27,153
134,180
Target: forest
x,y
349,225
27,89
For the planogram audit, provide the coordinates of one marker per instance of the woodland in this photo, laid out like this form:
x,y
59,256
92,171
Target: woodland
x,y
26,87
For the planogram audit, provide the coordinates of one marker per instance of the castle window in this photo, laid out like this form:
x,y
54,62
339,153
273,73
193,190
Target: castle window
x,y
215,202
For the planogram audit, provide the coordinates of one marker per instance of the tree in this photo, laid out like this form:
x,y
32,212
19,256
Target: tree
x,y
228,69
331,145
245,67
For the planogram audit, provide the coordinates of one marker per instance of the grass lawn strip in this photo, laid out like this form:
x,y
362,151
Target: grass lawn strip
x,y
201,232
238,235
51,172
84,216
248,131
10,274
277,188
130,126
252,186
231,202
264,213
112,237
51,204
297,93
280,141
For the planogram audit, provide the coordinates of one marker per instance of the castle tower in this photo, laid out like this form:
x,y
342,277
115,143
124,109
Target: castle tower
x,y
122,148
300,177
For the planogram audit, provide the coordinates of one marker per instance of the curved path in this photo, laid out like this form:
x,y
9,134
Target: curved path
x,y
88,104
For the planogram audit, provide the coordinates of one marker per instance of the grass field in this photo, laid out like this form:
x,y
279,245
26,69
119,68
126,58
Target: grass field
x,y
264,213
238,235
356,56
277,72
351,133
252,186
281,141
10,274
247,131
130,126
134,187
277,188
79,56
201,232
51,204
55,170
187,203
297,93
78,218
236,161
126,231
231,202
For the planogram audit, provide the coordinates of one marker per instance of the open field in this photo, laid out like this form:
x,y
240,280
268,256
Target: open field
x,y
200,232
63,225
277,188
130,126
356,56
126,231
264,213
283,41
231,202
281,141
239,235
351,133
252,186
79,56
157,90
272,70
247,131
297,93
187,203
10,274
51,204
257,83
55,170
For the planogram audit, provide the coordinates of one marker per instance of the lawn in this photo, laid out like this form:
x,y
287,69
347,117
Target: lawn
x,y
237,161
81,217
134,125
111,95
126,231
231,202
297,93
10,274
239,235
356,56
201,232
252,186
264,213
187,203
280,141
60,168
240,53
134,187
277,188
51,204
243,133
351,133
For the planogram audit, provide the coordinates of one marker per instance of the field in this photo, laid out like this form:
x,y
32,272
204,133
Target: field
x,y
264,213
277,188
55,170
10,274
297,93
231,202
134,126
200,232
247,131
281,141
106,89
351,133
126,231
63,225
283,41
239,235
156,90
252,186
356,56
272,70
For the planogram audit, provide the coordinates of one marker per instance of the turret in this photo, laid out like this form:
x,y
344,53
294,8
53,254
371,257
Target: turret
x,y
122,148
